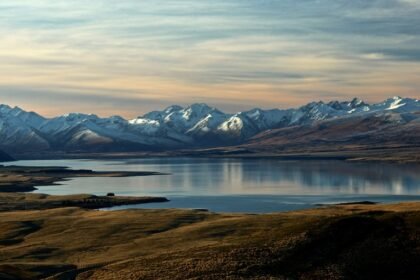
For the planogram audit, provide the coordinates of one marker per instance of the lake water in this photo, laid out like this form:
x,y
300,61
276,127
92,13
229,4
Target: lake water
x,y
234,185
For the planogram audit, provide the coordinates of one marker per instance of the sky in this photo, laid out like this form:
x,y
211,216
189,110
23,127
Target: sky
x,y
129,57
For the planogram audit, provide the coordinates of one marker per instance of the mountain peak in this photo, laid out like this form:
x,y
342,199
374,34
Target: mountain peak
x,y
356,102
78,116
172,108
200,110
4,108
199,107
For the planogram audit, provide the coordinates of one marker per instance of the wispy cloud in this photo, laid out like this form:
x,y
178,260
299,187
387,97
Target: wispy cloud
x,y
235,53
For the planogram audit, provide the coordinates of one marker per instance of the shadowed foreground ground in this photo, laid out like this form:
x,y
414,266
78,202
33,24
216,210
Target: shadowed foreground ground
x,y
338,242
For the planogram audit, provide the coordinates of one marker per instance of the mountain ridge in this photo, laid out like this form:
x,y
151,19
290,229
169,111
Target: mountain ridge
x,y
177,127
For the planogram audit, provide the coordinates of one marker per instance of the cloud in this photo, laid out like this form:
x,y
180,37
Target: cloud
x,y
237,53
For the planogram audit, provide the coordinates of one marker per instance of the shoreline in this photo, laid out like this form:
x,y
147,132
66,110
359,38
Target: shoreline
x,y
25,178
17,182
29,201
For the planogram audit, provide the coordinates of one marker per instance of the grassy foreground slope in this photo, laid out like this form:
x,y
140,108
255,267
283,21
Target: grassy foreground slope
x,y
337,242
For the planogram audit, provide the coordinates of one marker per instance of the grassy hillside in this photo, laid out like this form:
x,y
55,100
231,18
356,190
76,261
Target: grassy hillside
x,y
338,242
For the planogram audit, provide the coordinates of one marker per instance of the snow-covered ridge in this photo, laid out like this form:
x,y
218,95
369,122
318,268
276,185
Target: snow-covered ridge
x,y
173,127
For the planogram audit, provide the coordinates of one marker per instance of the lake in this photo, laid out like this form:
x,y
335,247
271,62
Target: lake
x,y
251,185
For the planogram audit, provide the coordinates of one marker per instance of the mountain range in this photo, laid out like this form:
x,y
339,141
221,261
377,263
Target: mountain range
x,y
395,120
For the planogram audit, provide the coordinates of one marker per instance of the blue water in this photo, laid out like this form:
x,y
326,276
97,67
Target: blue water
x,y
252,186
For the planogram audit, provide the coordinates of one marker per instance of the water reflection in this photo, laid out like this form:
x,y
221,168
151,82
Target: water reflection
x,y
196,176
221,176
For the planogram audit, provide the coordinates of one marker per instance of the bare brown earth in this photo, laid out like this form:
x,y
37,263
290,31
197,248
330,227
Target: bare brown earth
x,y
25,178
336,242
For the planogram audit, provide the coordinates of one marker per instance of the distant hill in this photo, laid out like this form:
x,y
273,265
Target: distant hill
x,y
202,126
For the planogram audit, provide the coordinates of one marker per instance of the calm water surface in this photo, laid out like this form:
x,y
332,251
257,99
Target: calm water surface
x,y
254,186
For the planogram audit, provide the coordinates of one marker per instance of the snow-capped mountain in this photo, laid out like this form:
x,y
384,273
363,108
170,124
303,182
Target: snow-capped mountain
x,y
362,131
198,125
20,129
